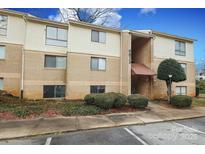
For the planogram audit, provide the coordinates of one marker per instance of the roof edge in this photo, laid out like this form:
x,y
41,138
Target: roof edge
x,y
81,23
172,36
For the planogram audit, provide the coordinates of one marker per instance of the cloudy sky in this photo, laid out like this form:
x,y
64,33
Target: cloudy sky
x,y
183,22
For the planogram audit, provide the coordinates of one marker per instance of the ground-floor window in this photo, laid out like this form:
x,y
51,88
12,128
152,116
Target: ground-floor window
x,y
97,89
53,91
181,90
1,84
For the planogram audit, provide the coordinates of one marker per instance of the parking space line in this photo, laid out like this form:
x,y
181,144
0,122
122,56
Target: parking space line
x,y
135,136
48,141
189,128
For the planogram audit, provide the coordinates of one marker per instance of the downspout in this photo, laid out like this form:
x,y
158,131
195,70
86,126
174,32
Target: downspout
x,y
67,64
121,62
152,62
23,60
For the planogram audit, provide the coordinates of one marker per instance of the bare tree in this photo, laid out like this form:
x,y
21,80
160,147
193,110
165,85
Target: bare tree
x,y
101,16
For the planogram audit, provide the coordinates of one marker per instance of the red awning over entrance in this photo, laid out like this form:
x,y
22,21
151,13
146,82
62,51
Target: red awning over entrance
x,y
141,69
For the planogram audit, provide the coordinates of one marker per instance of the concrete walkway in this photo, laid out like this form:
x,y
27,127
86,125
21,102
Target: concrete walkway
x,y
156,113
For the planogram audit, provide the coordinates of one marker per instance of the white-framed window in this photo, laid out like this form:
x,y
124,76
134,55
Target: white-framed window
x,y
52,61
3,25
181,90
98,63
2,52
53,91
56,36
97,36
180,48
97,89
184,66
1,83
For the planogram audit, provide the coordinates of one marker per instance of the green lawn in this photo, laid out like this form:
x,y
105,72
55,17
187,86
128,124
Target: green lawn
x,y
199,102
24,108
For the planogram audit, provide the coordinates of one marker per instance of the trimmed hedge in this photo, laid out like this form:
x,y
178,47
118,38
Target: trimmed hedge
x,y
90,99
181,101
137,101
105,100
120,100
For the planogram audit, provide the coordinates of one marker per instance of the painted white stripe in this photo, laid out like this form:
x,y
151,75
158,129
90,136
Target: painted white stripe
x,y
48,141
135,136
189,128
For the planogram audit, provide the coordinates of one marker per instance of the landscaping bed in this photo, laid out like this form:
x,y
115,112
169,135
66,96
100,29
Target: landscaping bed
x,y
196,101
13,108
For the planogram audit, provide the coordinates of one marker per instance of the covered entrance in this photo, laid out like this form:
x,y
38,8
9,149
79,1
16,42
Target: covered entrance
x,y
141,78
141,57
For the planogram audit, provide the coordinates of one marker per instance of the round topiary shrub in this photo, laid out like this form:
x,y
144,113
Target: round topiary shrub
x,y
105,100
89,99
120,100
181,101
137,101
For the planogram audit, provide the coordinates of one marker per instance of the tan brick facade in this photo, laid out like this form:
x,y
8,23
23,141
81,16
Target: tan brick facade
x,y
36,75
80,76
10,68
77,77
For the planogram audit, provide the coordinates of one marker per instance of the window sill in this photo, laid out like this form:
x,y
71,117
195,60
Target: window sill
x,y
52,68
180,55
99,70
98,42
55,98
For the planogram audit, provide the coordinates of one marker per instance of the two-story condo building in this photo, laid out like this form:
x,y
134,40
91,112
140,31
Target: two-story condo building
x,y
45,59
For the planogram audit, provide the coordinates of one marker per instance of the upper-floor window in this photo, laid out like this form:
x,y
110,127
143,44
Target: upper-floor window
x,y
3,24
184,66
98,63
2,52
56,36
55,61
97,36
180,48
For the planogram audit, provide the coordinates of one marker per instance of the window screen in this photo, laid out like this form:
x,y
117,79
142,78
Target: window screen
x,y
55,61
56,36
1,84
53,91
3,24
2,52
98,63
97,36
181,90
97,89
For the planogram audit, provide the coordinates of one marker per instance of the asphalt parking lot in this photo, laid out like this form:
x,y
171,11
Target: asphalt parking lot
x,y
181,132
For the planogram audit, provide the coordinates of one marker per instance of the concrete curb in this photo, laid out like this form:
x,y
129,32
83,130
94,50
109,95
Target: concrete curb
x,y
100,127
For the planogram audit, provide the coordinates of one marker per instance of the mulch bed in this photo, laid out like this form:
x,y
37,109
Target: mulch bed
x,y
126,108
55,113
8,116
168,105
51,113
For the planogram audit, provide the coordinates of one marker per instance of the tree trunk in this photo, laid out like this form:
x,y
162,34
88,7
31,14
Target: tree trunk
x,y
169,85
